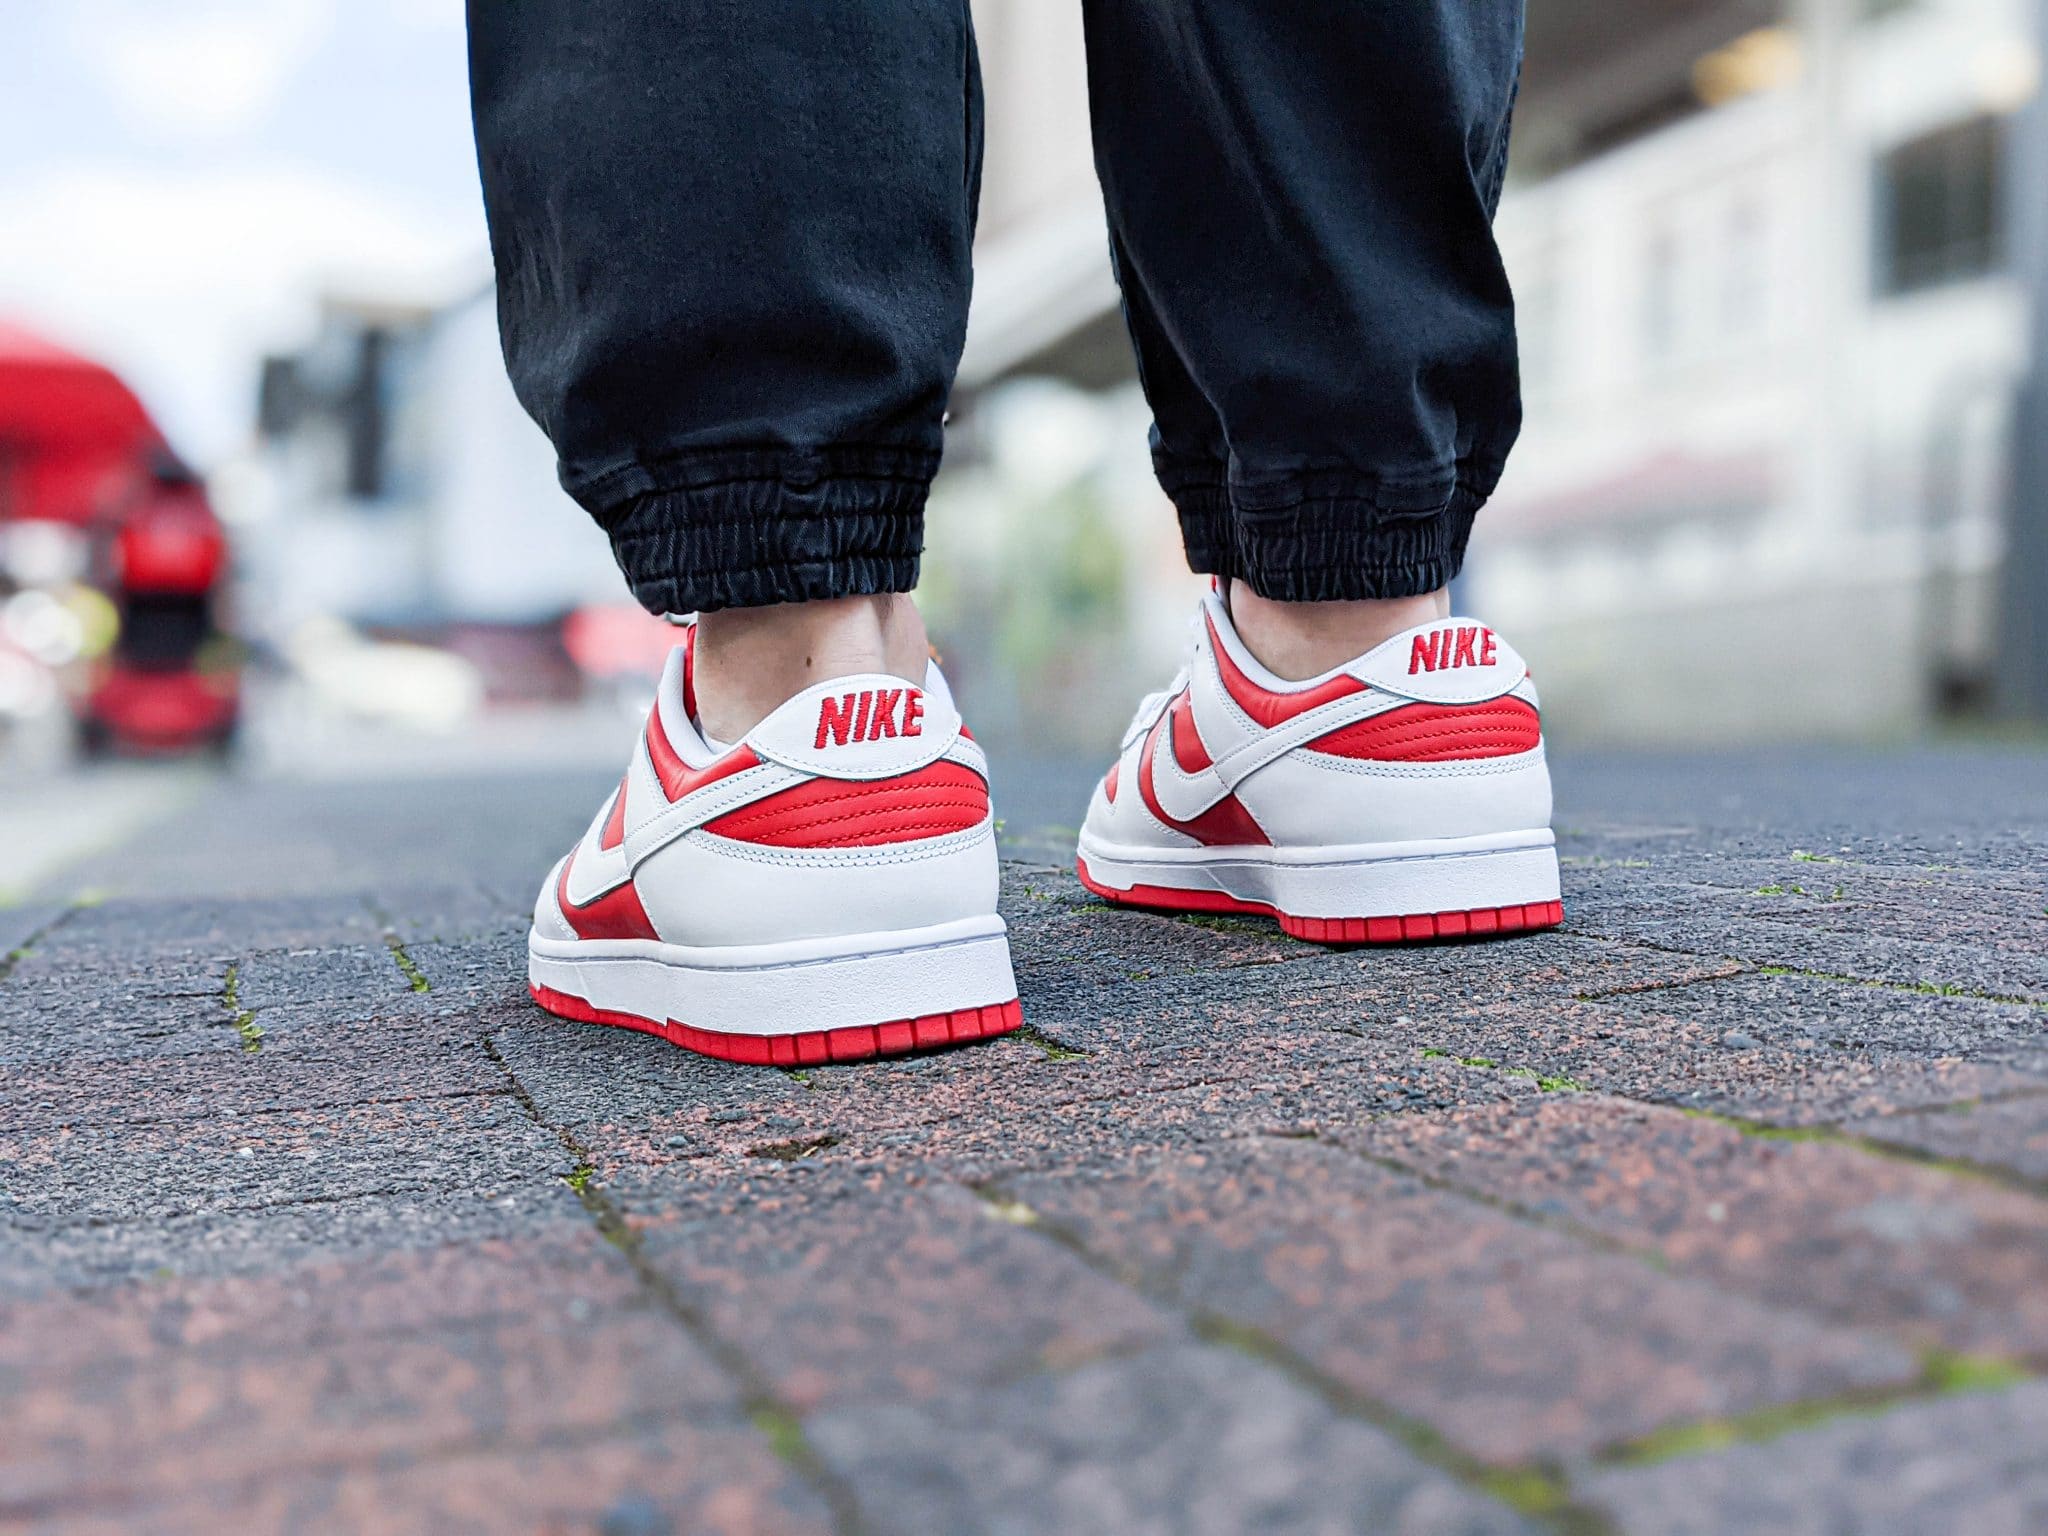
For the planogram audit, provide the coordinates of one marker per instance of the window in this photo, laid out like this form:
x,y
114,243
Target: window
x,y
1939,206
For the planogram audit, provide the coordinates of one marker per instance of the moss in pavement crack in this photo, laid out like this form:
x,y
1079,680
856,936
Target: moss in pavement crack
x,y
1220,922
1916,988
1054,1050
414,976
1545,1082
1877,1146
27,946
784,1433
1534,1489
1943,1373
244,1019
407,966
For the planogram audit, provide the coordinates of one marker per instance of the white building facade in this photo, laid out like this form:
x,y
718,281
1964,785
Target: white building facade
x,y
1770,355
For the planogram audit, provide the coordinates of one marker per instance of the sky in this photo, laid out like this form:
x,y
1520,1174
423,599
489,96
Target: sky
x,y
180,179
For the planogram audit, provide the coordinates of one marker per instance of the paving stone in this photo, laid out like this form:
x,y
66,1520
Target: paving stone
x,y
190,1418
285,842
468,972
1970,1463
138,1396
356,977
2010,1135
1709,1046
90,1175
1185,1439
1975,916
230,1083
989,1108
454,912
153,1248
162,930
928,1291
1512,1341
627,1094
707,1477
1791,1010
1828,1229
1840,1091
1324,991
1960,966
564,1267
395,1028
1083,946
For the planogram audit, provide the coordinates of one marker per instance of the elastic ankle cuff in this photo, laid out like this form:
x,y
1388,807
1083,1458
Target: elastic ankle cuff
x,y
749,529
1328,548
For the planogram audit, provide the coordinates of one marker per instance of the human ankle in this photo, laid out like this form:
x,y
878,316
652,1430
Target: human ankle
x,y
1297,641
751,661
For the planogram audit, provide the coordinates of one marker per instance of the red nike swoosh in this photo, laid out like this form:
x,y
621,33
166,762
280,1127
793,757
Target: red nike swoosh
x,y
1226,823
617,914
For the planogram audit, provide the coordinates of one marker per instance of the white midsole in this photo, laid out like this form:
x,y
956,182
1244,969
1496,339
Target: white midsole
x,y
1360,880
789,988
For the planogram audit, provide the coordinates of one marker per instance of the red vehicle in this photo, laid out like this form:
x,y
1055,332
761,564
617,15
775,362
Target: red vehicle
x,y
77,448
171,681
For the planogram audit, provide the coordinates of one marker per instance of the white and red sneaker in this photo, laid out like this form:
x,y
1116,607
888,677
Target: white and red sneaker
x,y
1403,796
823,891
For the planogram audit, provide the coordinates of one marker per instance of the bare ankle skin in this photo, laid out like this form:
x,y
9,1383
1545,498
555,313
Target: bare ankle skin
x,y
1297,641
750,661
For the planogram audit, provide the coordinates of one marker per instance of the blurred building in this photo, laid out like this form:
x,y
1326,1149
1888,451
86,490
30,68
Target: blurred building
x,y
399,482
407,550
1771,348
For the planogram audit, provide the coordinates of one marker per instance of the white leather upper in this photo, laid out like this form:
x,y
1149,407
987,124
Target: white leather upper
x,y
699,888
1303,798
706,889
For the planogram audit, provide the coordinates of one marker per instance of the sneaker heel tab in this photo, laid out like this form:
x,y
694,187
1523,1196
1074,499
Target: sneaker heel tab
x,y
1449,661
866,727
673,690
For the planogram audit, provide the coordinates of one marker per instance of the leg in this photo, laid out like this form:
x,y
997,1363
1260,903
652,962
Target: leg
x,y
1300,199
732,248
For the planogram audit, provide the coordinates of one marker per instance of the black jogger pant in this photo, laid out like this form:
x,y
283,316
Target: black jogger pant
x,y
732,244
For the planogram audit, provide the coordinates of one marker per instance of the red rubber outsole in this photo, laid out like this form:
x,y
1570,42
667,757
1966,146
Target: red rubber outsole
x,y
1408,928
816,1048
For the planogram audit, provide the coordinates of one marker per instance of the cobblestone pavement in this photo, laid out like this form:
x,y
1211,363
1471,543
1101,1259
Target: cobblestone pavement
x,y
1724,1209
